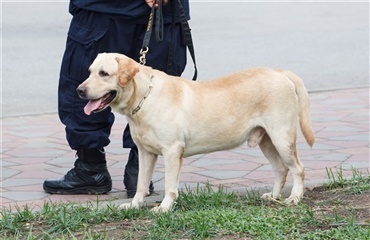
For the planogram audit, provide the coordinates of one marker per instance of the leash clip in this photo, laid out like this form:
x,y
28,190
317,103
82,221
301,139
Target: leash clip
x,y
143,53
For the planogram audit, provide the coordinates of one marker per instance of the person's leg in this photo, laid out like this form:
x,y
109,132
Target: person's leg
x,y
157,58
85,134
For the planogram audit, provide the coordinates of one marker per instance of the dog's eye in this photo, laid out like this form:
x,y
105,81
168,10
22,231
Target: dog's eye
x,y
103,73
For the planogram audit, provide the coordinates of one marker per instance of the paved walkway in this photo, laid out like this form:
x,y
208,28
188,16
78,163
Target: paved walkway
x,y
34,148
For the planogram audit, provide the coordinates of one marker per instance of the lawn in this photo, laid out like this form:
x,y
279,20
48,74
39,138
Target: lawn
x,y
337,210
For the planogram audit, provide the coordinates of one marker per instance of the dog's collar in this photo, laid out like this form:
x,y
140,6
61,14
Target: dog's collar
x,y
145,96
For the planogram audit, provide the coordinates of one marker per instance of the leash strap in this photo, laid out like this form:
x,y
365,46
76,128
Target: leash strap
x,y
159,22
187,37
159,34
170,52
158,31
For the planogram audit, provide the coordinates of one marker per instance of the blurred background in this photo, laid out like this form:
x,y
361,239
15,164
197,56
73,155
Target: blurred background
x,y
326,43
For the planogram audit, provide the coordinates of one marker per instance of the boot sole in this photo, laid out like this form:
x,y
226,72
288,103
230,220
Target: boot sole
x,y
82,190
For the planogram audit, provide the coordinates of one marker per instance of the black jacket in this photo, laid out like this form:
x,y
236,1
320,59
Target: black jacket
x,y
135,10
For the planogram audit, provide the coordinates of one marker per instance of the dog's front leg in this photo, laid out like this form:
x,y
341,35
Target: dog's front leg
x,y
172,164
147,162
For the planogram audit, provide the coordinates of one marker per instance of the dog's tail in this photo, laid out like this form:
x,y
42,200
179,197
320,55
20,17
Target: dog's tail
x,y
304,103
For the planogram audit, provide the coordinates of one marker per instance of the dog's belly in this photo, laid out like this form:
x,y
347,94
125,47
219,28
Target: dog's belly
x,y
194,150
197,143
207,145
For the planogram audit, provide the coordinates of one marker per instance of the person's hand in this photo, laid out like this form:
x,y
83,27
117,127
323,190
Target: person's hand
x,y
155,2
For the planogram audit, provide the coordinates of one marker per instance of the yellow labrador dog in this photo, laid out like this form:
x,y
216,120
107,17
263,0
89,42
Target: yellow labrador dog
x,y
177,118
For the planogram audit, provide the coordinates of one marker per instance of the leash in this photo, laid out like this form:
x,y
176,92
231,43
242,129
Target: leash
x,y
159,34
187,36
158,30
145,47
159,37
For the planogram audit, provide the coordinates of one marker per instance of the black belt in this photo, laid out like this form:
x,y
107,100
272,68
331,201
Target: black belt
x,y
159,34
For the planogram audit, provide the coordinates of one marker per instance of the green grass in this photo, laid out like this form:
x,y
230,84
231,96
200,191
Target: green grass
x,y
357,184
200,213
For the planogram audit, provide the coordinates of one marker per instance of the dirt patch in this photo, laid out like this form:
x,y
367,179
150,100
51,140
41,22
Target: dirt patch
x,y
339,203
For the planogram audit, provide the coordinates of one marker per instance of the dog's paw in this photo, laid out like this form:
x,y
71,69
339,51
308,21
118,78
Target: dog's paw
x,y
160,209
269,196
128,205
276,199
292,200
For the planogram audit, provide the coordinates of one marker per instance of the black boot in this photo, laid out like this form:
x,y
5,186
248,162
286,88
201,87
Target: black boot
x,y
89,176
131,174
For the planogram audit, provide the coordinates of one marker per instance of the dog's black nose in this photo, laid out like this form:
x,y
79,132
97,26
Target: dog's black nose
x,y
81,91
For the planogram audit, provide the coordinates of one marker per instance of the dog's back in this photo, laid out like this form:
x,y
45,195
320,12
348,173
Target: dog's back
x,y
225,111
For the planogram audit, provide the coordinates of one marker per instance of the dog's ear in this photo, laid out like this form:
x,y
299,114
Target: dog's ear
x,y
127,69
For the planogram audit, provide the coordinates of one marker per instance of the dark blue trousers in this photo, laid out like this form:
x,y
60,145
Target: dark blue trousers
x,y
91,33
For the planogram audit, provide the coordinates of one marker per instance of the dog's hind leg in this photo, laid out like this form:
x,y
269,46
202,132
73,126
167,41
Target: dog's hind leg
x,y
280,170
172,162
147,163
297,170
285,145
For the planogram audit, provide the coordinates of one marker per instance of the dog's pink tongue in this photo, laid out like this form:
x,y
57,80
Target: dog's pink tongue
x,y
92,105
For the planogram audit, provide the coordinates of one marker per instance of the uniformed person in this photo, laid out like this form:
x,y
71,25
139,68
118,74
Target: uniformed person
x,y
108,26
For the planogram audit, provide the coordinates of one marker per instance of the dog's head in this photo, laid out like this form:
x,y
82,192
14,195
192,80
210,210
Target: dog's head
x,y
110,74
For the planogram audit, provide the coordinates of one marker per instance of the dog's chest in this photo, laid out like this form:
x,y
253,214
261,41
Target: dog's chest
x,y
148,139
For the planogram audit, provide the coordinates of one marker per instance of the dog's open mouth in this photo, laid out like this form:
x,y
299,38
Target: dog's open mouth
x,y
97,105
